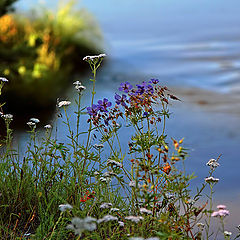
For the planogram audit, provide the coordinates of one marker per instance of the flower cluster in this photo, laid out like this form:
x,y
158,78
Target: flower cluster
x,y
135,101
87,196
213,164
79,225
222,212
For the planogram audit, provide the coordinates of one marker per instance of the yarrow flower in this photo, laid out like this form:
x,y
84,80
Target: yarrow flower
x,y
221,206
227,234
3,79
98,146
222,212
48,126
211,180
34,120
106,205
94,57
144,210
135,219
64,207
31,124
114,209
125,87
78,86
113,162
200,226
107,218
7,116
64,103
213,164
79,225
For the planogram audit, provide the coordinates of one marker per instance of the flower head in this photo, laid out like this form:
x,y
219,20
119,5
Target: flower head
x,y
221,206
146,211
211,180
227,234
64,103
106,205
79,225
34,120
125,87
94,57
48,126
64,207
3,79
213,164
115,163
135,219
104,104
7,116
121,100
93,110
107,218
78,86
154,81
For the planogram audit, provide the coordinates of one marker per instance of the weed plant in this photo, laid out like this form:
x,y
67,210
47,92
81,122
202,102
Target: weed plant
x,y
82,190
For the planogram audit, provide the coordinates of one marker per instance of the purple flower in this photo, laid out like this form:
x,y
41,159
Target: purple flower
x,y
125,87
92,111
104,104
142,88
145,114
149,89
154,81
121,99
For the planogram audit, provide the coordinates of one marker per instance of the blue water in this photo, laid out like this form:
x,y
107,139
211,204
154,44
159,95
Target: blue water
x,y
186,42
183,43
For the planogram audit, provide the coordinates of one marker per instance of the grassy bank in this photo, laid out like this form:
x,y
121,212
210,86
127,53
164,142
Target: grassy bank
x,y
91,188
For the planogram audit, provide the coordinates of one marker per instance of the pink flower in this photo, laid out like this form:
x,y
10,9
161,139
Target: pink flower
x,y
221,206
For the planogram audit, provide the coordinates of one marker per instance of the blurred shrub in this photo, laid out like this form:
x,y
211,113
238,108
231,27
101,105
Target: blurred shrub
x,y
38,53
6,6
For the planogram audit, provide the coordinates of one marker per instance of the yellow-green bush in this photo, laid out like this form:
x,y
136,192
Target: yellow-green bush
x,y
39,52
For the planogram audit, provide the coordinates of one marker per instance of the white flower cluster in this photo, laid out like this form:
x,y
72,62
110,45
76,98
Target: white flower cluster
x,y
79,87
106,205
65,207
135,219
146,211
64,103
213,164
107,218
211,180
79,225
32,122
7,116
94,57
98,146
227,234
3,79
113,162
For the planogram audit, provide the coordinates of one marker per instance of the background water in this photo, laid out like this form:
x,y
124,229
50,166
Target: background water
x,y
186,44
